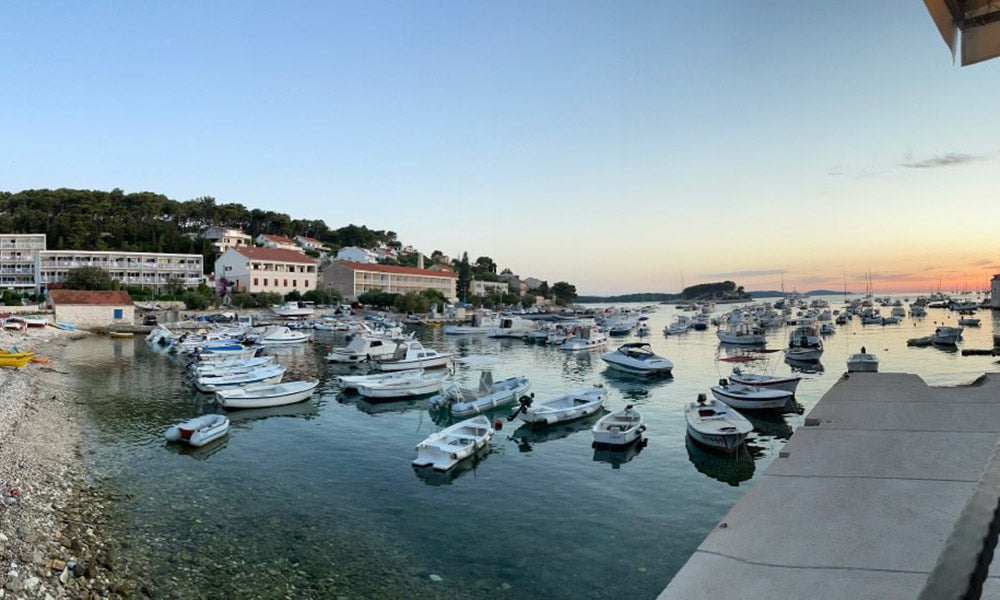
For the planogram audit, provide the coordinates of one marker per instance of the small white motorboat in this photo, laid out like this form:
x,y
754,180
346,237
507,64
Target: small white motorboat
x,y
568,407
716,425
293,309
748,397
772,382
446,448
199,431
489,395
619,428
351,382
638,358
741,334
411,354
260,375
947,336
827,329
362,348
229,367
964,322
480,324
585,337
264,396
513,326
417,384
282,336
863,362
804,344
679,326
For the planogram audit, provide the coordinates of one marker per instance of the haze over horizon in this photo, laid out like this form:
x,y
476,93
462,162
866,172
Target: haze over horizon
x,y
612,146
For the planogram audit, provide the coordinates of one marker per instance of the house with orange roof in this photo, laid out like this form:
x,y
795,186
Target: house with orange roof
x,y
256,270
90,309
280,242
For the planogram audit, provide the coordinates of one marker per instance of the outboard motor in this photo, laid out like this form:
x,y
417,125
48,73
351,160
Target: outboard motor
x,y
702,398
524,402
724,382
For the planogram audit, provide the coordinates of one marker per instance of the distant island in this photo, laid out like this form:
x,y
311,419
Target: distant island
x,y
722,291
778,294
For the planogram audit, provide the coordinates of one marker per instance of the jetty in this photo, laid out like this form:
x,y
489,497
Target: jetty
x,y
890,490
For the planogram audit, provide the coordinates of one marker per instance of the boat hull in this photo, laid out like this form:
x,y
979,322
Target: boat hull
x,y
727,443
247,400
785,384
406,365
764,399
444,450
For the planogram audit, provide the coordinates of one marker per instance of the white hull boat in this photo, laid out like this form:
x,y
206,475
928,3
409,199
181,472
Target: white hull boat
x,y
260,375
947,336
638,358
747,397
716,425
412,355
199,431
804,354
862,362
282,336
226,354
362,348
446,448
232,367
417,384
619,428
741,334
489,395
568,407
585,338
293,309
514,327
969,322
770,382
265,396
351,382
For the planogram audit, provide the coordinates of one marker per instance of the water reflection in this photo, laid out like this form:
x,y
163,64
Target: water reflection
x,y
733,468
800,366
244,417
437,478
198,453
387,406
771,424
634,387
526,435
616,456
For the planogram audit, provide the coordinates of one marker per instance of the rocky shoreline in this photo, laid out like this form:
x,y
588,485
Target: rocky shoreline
x,y
54,542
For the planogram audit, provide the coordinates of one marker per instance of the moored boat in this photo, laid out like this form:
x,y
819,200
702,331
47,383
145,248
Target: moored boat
x,y
267,395
773,382
260,375
747,397
410,355
619,428
446,448
567,407
715,424
15,359
862,362
417,384
199,431
487,396
638,358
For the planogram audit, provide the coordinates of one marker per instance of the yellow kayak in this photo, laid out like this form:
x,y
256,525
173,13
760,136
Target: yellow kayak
x,y
122,334
15,359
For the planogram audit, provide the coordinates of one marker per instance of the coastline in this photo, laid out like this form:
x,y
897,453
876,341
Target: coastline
x,y
53,541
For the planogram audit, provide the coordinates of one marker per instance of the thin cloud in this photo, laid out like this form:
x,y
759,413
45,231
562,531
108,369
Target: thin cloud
x,y
751,273
946,160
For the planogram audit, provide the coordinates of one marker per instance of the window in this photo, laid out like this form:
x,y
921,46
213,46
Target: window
x,y
119,313
286,283
265,281
255,281
307,283
295,283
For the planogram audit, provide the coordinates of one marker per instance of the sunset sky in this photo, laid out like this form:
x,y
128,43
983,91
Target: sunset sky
x,y
612,145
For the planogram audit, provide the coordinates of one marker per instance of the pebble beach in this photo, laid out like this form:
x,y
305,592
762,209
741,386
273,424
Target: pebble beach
x,y
53,541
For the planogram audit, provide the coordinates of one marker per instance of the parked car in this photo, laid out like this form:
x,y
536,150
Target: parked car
x,y
150,320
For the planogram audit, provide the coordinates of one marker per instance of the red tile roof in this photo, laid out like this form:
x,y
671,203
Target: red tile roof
x,y
274,254
394,269
92,297
279,239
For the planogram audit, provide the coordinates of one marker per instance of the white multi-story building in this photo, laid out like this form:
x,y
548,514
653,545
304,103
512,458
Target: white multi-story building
x,y
358,255
279,242
224,238
18,254
156,270
352,279
256,270
485,288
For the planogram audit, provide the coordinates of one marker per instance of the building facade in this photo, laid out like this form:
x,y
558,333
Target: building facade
x,y
155,270
257,270
90,309
485,288
357,255
308,243
278,242
18,257
352,279
224,238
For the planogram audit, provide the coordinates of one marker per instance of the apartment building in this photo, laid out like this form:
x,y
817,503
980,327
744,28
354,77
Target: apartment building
x,y
307,243
485,288
18,253
279,242
352,279
224,238
256,270
155,270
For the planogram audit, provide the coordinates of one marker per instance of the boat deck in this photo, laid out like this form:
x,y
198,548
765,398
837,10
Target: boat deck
x,y
862,500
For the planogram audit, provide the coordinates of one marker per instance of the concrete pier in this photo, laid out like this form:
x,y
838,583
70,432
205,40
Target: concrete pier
x,y
861,501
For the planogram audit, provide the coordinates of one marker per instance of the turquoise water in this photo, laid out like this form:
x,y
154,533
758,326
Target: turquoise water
x,y
319,499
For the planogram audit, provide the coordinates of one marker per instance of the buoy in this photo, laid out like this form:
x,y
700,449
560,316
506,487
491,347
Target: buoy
x,y
497,424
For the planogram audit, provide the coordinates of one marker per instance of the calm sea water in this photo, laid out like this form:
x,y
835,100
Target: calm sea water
x,y
320,500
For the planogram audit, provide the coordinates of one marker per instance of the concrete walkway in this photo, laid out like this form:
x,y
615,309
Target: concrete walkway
x,y
862,499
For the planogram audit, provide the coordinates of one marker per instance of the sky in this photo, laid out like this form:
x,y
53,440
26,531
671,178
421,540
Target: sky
x,y
620,146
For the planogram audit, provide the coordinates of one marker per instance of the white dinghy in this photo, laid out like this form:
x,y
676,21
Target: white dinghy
x,y
863,362
230,367
351,382
417,383
260,375
568,407
281,336
489,395
638,358
265,396
362,348
446,448
770,382
199,431
748,397
619,428
716,425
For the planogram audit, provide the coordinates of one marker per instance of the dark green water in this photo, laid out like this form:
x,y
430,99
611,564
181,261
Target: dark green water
x,y
319,500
